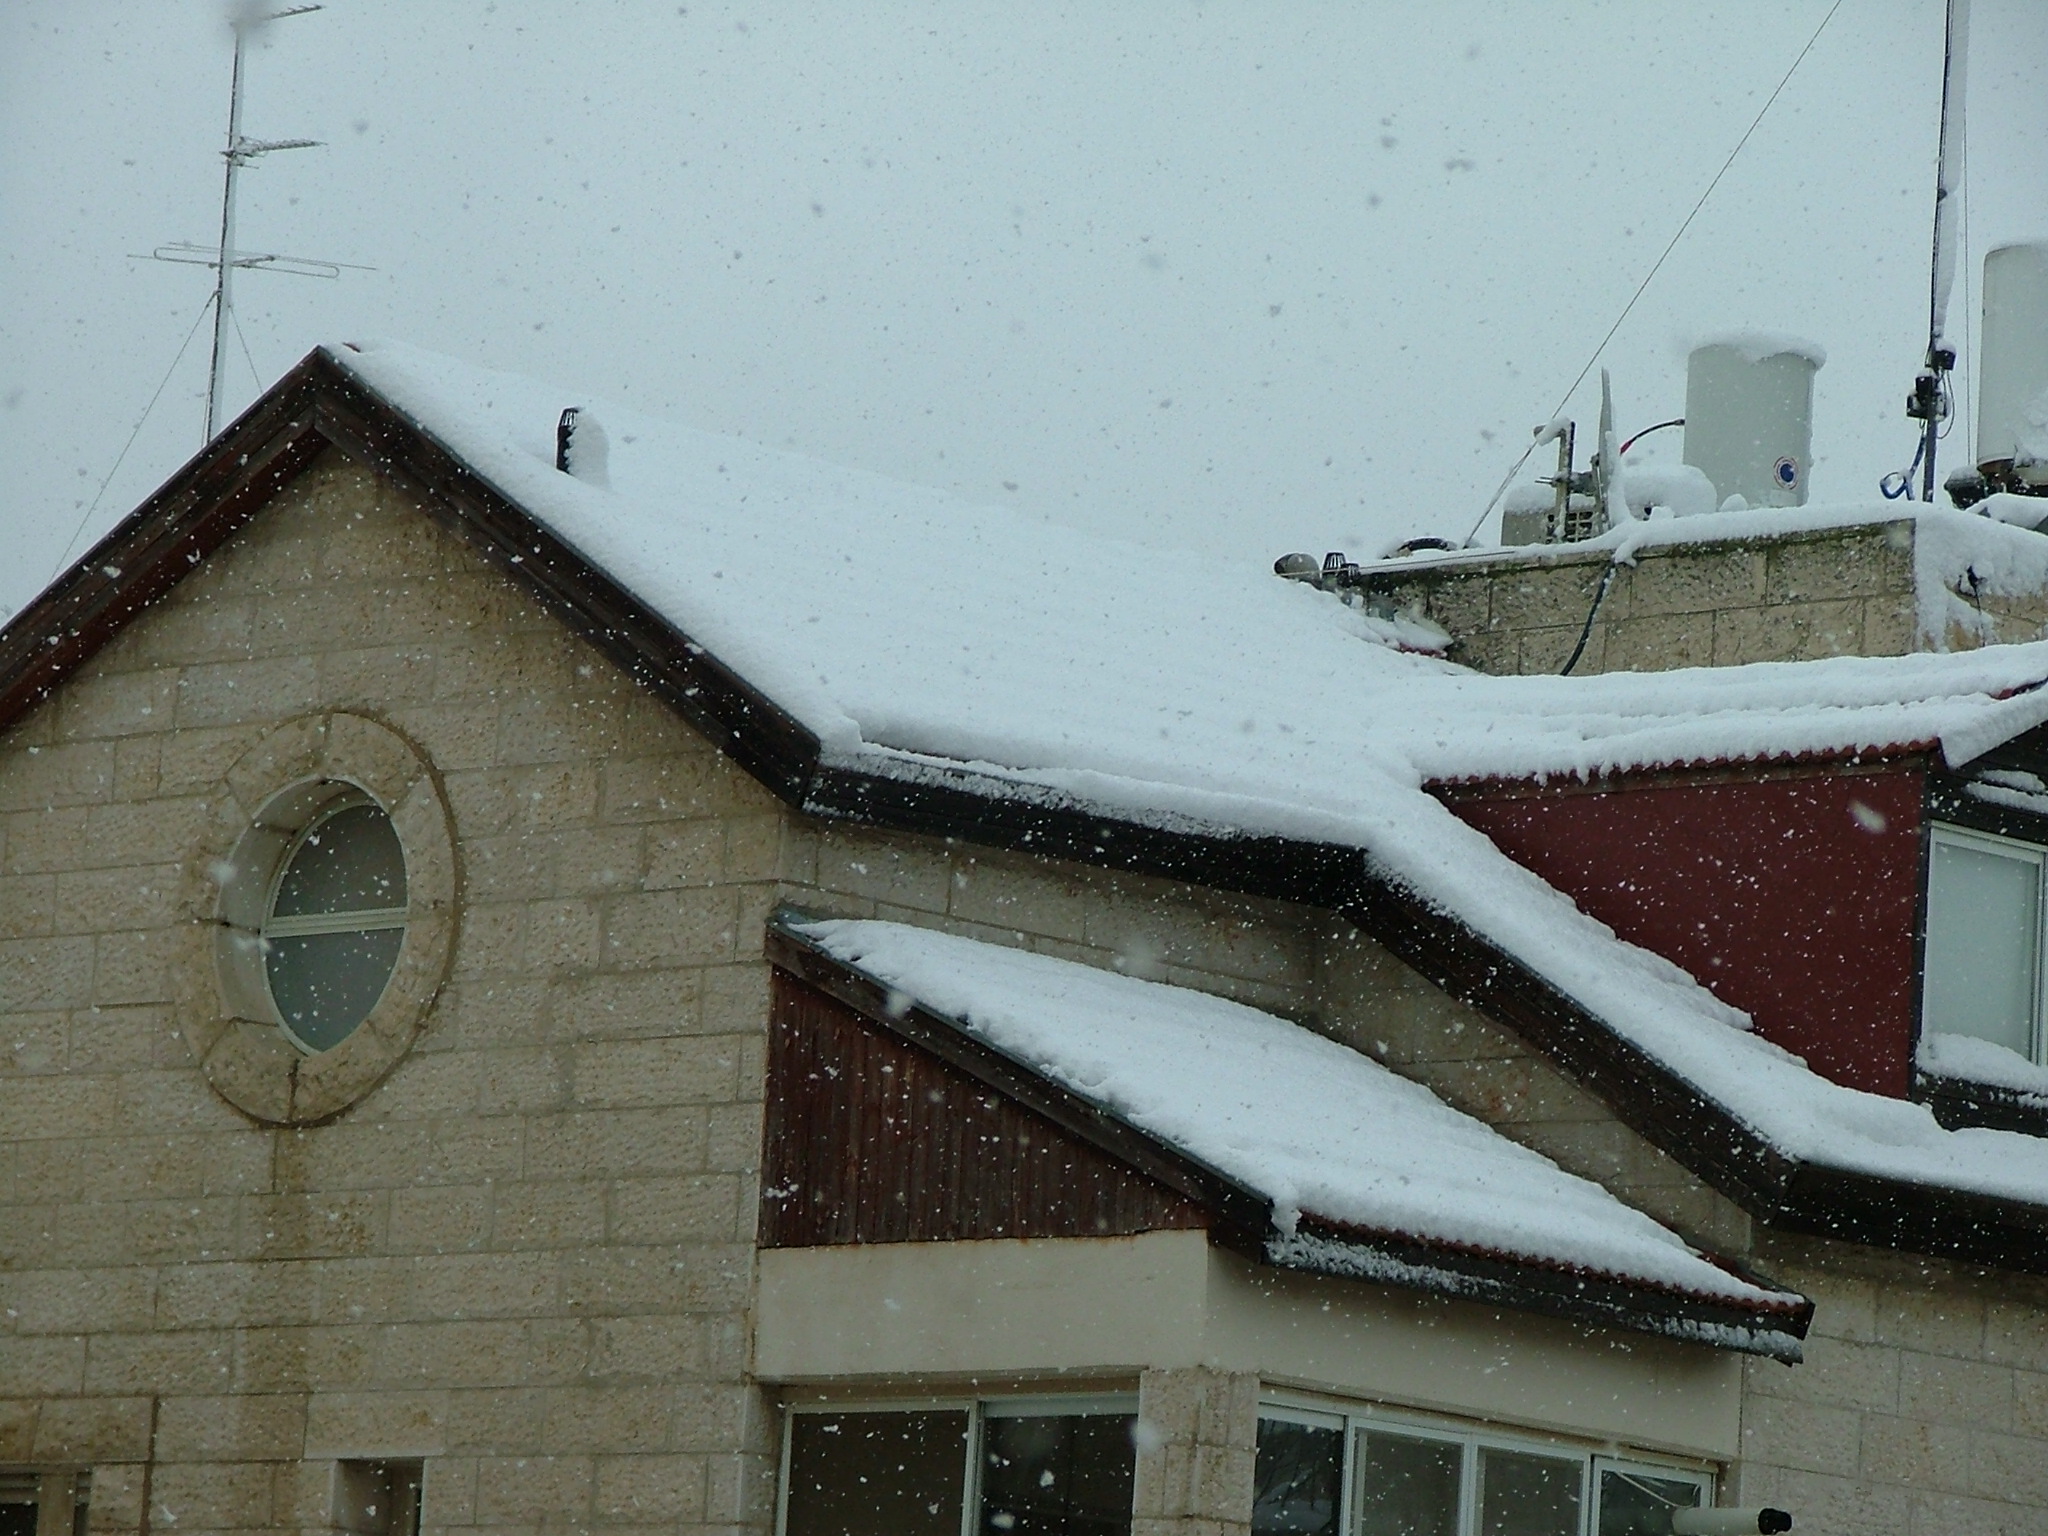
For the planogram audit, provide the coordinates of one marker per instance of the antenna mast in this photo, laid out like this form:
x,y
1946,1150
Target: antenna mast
x,y
1929,402
225,258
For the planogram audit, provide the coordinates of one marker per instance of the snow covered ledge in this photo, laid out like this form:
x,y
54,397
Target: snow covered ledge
x,y
1103,1309
1723,589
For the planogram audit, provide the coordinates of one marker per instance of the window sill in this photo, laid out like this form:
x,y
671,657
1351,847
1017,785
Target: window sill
x,y
1961,1104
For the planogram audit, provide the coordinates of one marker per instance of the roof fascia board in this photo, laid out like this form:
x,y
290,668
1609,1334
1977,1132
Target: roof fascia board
x,y
1244,1217
319,402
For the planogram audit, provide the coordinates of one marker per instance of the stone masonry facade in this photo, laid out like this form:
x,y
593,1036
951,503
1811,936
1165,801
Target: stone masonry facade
x,y
1789,597
526,1257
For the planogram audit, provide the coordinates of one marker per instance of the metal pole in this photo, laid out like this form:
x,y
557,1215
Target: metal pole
x,y
223,296
1940,356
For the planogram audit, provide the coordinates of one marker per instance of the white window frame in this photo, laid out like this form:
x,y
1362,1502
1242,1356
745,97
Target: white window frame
x,y
1593,1457
978,1410
1940,833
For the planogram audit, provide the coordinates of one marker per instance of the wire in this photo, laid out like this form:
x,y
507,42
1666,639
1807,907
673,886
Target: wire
x,y
1676,421
244,340
86,516
1585,634
1657,266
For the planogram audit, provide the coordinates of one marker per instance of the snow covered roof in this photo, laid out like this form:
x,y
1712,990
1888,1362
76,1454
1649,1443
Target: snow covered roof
x,y
930,640
881,650
1329,1139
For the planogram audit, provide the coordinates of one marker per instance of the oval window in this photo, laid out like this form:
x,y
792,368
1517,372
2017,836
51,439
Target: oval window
x,y
335,923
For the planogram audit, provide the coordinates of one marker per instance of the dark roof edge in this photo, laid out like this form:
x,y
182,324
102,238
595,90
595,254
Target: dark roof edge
x,y
321,403
1243,1217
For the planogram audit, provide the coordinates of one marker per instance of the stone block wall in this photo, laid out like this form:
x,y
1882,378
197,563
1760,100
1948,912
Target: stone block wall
x,y
1793,597
526,1256
1197,1450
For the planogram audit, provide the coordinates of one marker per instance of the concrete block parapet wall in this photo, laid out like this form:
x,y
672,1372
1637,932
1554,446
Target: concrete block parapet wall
x,y
1792,597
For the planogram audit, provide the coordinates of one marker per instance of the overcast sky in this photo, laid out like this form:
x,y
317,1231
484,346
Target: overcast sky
x,y
1238,277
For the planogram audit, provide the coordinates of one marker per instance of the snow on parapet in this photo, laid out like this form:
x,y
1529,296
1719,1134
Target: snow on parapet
x,y
921,637
1317,1128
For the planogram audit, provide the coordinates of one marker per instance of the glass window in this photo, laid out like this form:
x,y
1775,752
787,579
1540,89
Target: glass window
x,y
1038,1469
1298,1482
876,1474
1521,1494
1437,1479
1637,1502
1408,1486
336,922
1982,970
1057,1475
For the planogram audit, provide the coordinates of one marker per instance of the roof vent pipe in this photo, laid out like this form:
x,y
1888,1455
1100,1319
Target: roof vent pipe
x,y
2012,369
1749,417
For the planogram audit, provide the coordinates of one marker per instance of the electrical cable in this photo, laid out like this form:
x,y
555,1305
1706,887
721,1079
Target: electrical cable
x,y
86,516
1676,421
1586,633
1657,266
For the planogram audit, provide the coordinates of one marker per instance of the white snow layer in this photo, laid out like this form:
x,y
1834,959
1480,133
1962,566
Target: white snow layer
x,y
1314,1126
922,637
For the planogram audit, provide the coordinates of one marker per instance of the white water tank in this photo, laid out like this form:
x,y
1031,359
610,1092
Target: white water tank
x,y
2012,361
1749,417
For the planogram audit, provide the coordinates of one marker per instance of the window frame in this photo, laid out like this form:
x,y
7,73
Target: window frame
x,y
1355,1419
1940,833
1020,1405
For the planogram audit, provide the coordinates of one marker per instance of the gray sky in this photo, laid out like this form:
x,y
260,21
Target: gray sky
x,y
1238,277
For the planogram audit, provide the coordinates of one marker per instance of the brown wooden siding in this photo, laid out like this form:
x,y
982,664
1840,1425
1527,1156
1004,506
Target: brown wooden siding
x,y
871,1140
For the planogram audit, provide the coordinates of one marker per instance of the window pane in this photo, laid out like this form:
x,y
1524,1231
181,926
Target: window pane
x,y
325,984
1983,916
1299,1480
1407,1486
1632,1504
1525,1495
1064,1476
877,1474
351,861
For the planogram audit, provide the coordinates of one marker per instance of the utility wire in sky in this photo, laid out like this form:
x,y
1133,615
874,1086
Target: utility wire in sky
x,y
1655,267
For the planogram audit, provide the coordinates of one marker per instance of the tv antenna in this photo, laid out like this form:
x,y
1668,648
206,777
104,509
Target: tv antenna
x,y
224,258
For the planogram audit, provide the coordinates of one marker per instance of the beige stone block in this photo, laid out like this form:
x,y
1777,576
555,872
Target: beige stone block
x,y
1462,604
1949,1321
740,1490
1551,593
685,853
116,704
116,1505
699,1277
1543,651
131,967
1979,1516
17,1429
37,778
465,1285
43,840
703,1207
563,935
1496,651
135,767
34,1042
1657,642
591,861
613,1143
522,1080
553,1213
1695,579
229,1295
496,1420
216,628
137,1037
298,1359
662,928
375,1424
87,1430
1804,631
653,1348
454,738
1803,1436
73,1302
1914,1453
1949,1390
484,1353
2010,1467
439,1219
910,874
242,1426
526,1490
104,900
233,692
650,1488
549,728
45,1365
1839,1373
1054,903
56,1106
188,1495
1856,562
326,1225
644,1073
612,1418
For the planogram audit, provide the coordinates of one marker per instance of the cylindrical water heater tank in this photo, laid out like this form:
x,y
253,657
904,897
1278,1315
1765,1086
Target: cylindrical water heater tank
x,y
2012,362
1749,417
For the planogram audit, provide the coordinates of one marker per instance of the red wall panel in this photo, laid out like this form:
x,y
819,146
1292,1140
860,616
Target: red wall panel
x,y
1792,898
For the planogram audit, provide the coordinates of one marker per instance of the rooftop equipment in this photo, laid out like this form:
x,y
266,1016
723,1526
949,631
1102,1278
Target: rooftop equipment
x,y
2012,371
1749,418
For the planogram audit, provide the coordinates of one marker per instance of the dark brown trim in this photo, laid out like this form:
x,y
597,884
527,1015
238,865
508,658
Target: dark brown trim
x,y
1241,1218
320,403
1960,1104
1848,762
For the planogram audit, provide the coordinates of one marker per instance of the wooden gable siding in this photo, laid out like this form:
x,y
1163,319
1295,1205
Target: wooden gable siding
x,y
1794,898
869,1139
